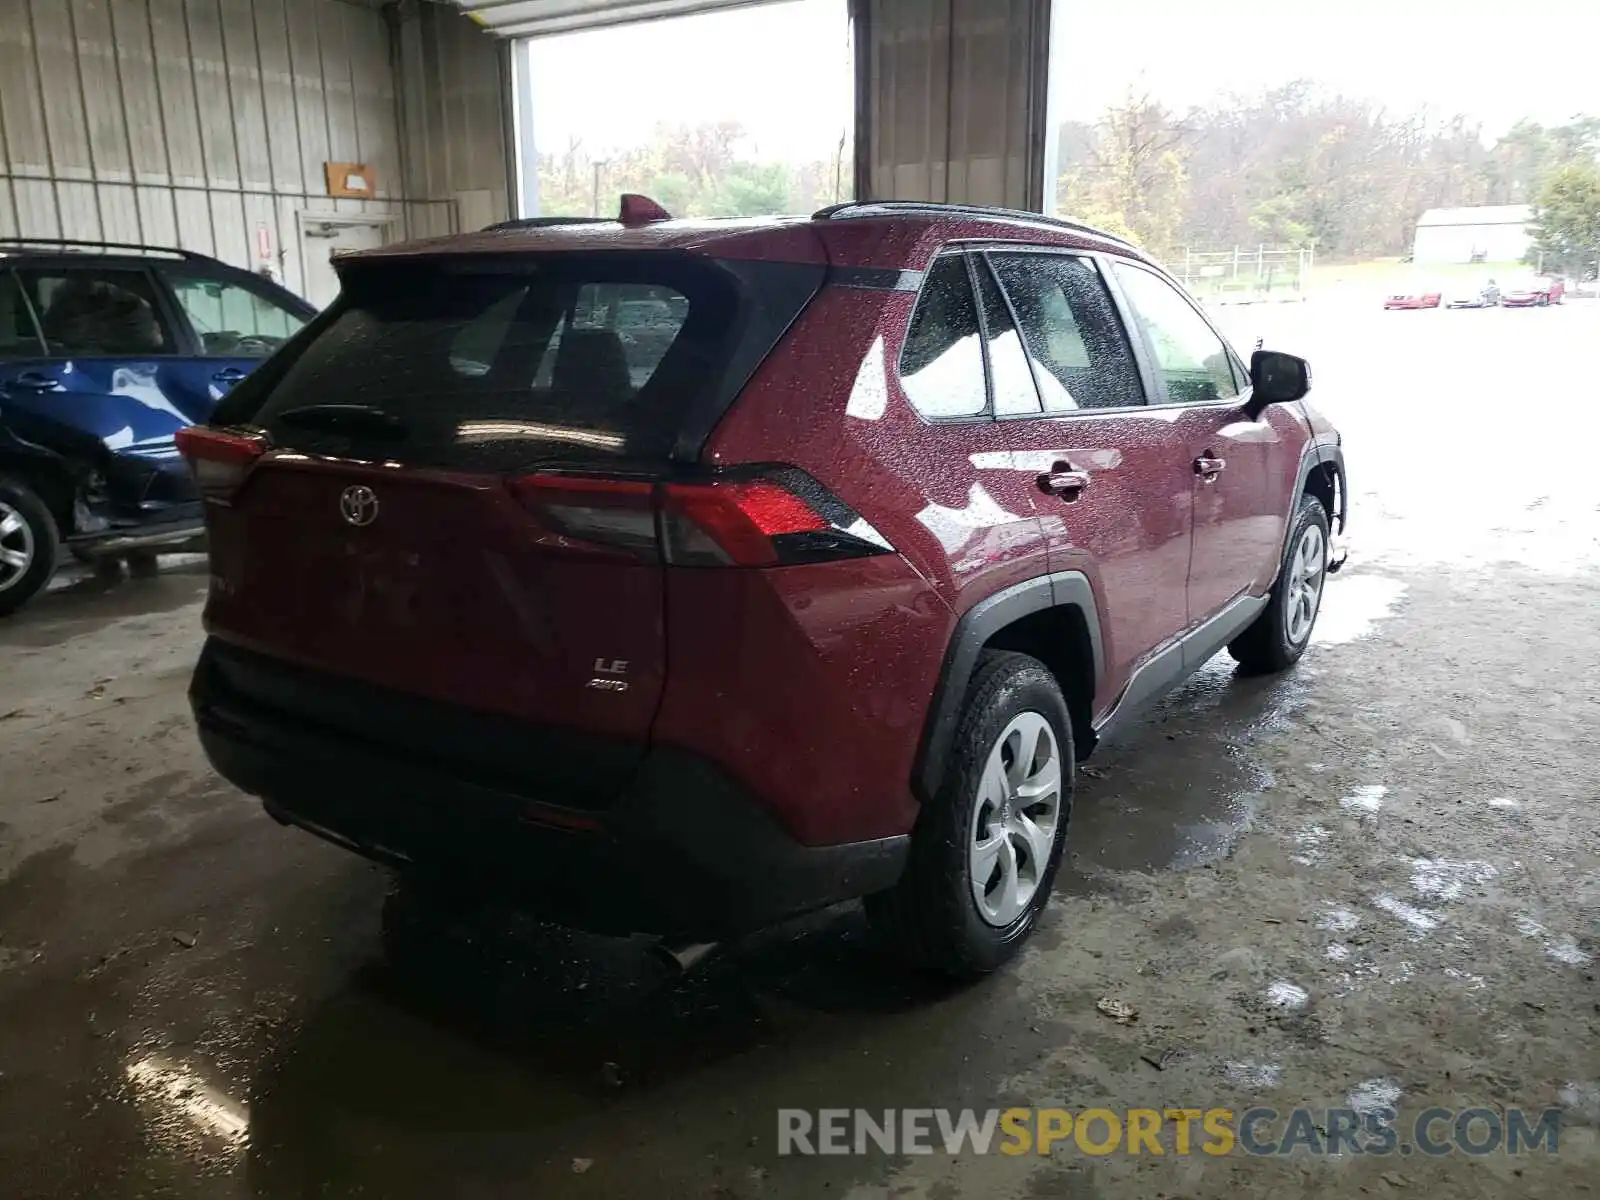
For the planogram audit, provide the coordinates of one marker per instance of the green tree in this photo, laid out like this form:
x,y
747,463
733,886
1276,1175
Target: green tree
x,y
1277,220
1566,219
748,189
1133,180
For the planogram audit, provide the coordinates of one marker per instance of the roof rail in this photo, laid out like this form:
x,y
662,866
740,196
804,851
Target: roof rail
x,y
76,244
545,223
889,208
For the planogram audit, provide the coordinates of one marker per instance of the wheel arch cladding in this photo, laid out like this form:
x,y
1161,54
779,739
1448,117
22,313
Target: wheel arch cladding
x,y
1055,619
1322,476
50,479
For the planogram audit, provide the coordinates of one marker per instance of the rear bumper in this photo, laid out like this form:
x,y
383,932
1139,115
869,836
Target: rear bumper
x,y
684,853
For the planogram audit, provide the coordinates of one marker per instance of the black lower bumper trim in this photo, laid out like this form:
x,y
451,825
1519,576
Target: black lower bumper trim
x,y
178,529
685,854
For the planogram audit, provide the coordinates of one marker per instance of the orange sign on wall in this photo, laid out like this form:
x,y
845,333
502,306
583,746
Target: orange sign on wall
x,y
351,181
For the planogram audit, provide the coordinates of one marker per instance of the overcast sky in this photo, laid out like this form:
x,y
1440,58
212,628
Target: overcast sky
x,y
783,70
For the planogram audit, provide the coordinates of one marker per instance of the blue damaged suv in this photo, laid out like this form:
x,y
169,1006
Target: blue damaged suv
x,y
106,351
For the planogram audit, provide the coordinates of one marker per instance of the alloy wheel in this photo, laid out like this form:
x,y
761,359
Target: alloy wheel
x,y
1302,596
16,546
1014,818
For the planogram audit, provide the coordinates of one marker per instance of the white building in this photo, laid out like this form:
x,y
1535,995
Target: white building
x,y
1496,233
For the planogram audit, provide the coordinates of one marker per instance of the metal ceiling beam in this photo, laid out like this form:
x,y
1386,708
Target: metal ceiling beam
x,y
535,18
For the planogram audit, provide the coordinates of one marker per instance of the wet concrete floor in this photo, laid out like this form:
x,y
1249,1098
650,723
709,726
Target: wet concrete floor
x,y
1378,875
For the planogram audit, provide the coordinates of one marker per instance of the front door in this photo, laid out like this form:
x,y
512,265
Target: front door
x,y
1238,513
1112,481
235,324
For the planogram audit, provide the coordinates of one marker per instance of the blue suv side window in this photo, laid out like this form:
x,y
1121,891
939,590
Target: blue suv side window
x,y
97,312
19,336
231,320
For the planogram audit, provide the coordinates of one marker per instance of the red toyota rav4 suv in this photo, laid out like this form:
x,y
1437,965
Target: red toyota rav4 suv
x,y
681,576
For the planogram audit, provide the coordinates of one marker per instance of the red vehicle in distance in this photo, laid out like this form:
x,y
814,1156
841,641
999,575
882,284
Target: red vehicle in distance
x,y
1417,297
1535,293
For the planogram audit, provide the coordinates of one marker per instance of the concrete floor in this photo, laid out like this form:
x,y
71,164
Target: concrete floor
x,y
194,1001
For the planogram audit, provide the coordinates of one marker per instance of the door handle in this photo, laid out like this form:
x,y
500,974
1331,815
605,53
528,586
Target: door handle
x,y
1064,479
229,375
1209,468
35,381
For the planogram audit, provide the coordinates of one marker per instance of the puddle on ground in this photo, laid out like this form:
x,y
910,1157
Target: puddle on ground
x,y
1180,787
1353,605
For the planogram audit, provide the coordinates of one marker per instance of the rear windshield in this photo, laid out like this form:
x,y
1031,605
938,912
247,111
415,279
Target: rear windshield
x,y
568,358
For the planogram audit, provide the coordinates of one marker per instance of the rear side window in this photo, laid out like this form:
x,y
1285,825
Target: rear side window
x,y
941,364
1080,352
1009,376
95,311
575,357
18,337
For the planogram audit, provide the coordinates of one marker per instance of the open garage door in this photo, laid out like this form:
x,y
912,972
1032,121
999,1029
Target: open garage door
x,y
533,18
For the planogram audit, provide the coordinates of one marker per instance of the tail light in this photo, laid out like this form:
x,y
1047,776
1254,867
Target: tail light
x,y
218,460
764,519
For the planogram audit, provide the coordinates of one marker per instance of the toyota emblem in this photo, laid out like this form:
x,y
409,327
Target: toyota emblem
x,y
359,505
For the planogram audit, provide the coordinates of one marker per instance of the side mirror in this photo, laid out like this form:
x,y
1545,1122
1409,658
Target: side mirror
x,y
1277,378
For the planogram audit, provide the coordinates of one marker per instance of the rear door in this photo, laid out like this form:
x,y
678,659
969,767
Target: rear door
x,y
456,503
1124,517
947,488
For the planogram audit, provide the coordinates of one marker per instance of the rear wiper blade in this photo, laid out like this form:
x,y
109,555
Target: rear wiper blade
x,y
361,417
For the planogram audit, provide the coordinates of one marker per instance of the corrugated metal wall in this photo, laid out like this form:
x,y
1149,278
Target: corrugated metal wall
x,y
950,100
455,95
194,122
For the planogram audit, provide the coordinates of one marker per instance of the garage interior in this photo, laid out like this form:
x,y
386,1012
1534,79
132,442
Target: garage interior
x,y
222,128
1376,876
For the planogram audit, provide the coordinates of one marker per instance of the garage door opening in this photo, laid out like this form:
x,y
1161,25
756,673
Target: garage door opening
x,y
741,113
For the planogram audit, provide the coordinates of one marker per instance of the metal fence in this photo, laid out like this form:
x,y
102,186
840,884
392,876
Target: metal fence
x,y
1245,275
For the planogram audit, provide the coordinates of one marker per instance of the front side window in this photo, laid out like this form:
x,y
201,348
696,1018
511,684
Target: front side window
x,y
1191,362
1080,352
230,320
91,311
941,364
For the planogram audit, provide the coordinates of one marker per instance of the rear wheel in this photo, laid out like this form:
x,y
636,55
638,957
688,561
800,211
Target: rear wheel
x,y
143,564
28,544
986,848
1279,636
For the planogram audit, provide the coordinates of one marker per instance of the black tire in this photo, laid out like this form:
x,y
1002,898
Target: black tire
x,y
41,535
143,564
930,919
1265,647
